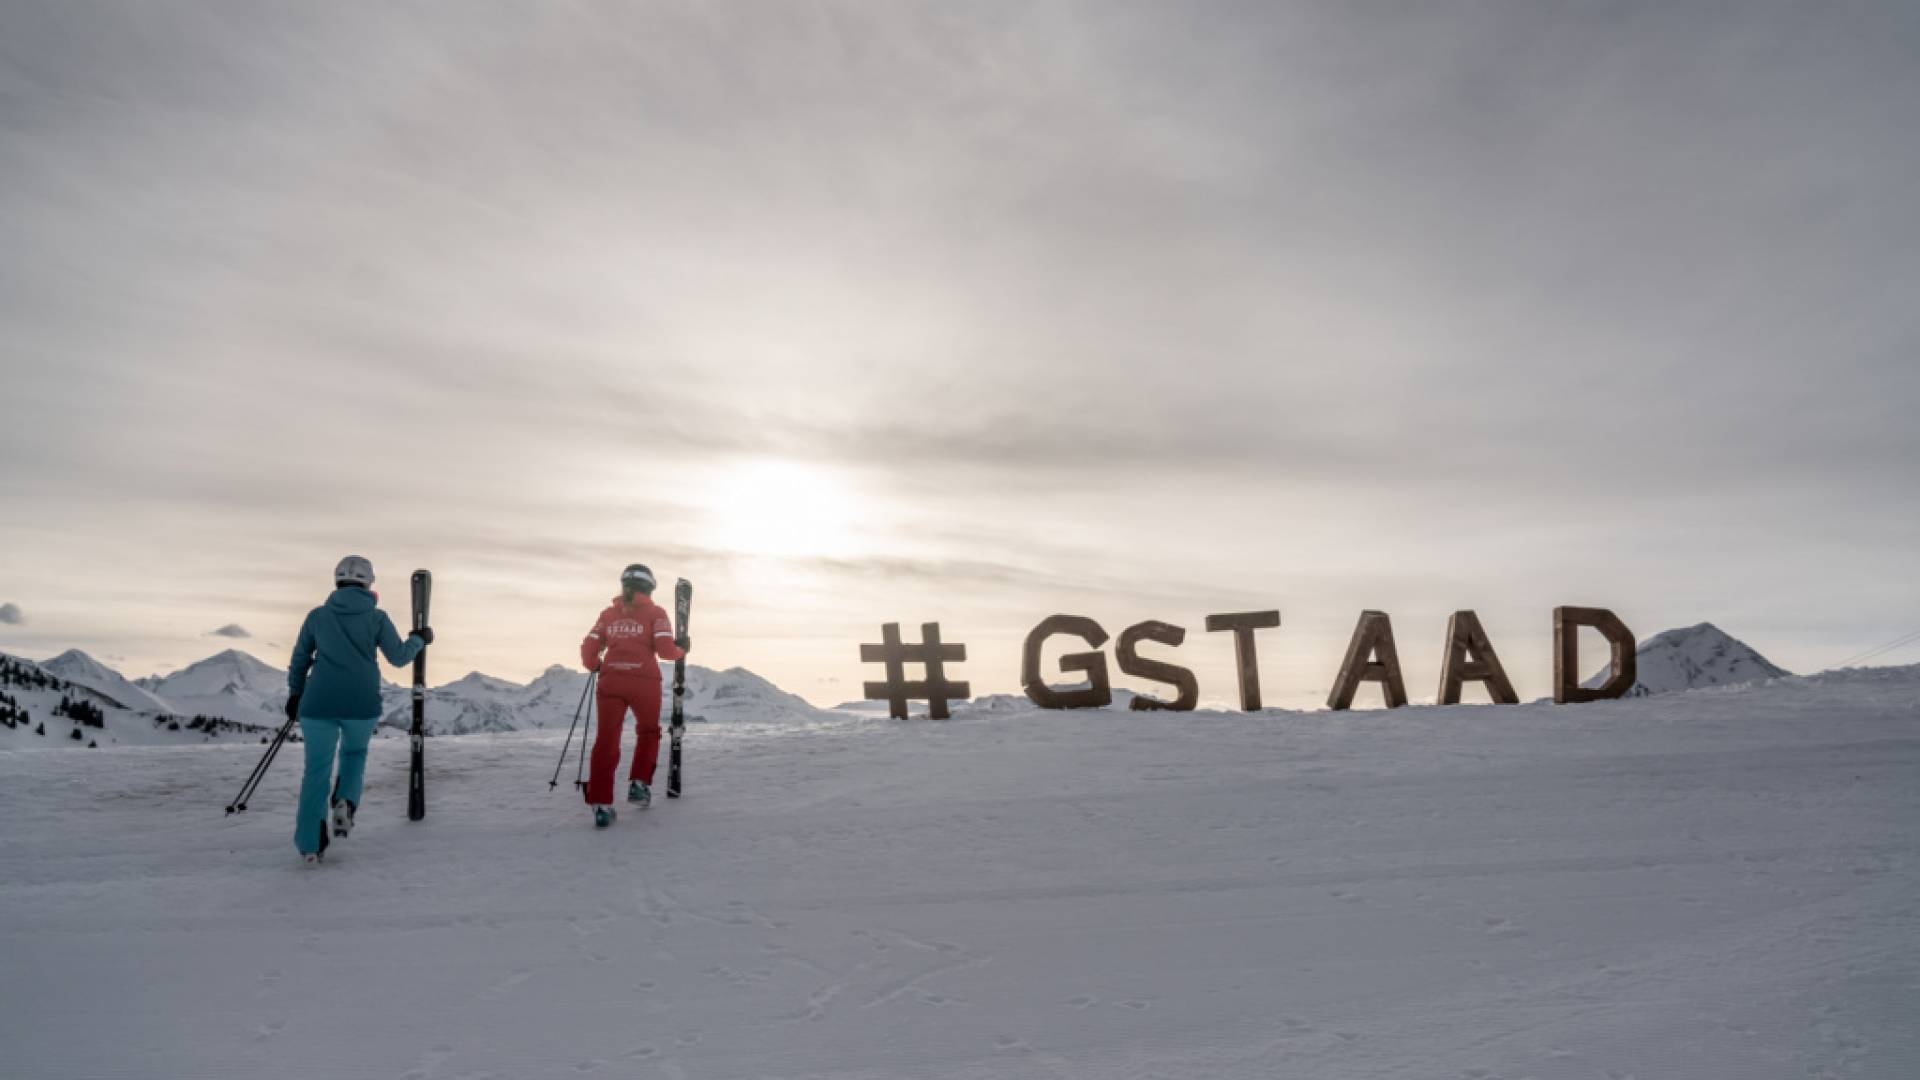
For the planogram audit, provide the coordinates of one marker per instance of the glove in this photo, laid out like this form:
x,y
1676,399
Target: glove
x,y
425,634
685,643
293,706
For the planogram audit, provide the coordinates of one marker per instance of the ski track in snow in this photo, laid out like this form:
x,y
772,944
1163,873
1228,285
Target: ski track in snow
x,y
1703,885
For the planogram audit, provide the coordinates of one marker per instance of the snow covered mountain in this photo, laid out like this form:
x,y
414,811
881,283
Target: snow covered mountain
x,y
739,694
250,693
231,684
40,710
449,711
475,685
1691,657
472,703
78,668
484,703
549,700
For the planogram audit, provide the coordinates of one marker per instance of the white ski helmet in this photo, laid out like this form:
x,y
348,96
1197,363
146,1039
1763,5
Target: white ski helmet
x,y
354,570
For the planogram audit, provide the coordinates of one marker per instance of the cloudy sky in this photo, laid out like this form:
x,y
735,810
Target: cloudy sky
x,y
864,312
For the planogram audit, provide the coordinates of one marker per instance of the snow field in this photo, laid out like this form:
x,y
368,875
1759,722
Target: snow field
x,y
1701,885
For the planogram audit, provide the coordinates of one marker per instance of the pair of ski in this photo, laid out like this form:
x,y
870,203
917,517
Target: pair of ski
x,y
676,726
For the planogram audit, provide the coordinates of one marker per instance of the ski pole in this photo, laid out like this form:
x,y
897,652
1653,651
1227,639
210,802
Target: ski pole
x,y
260,769
580,772
565,746
266,762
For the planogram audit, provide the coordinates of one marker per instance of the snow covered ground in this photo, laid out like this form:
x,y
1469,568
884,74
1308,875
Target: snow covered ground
x,y
1710,884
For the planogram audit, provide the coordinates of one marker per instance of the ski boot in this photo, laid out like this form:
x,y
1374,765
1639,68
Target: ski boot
x,y
315,858
342,818
602,816
639,794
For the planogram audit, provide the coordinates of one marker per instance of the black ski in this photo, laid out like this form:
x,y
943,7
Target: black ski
x,y
682,606
417,769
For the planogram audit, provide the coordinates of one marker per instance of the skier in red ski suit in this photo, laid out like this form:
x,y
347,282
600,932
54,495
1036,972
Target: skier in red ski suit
x,y
625,646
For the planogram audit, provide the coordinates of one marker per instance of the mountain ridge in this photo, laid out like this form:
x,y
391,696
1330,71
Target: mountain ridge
x,y
1692,658
80,669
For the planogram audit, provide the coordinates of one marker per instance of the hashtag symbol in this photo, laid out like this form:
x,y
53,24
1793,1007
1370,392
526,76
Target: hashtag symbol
x,y
896,691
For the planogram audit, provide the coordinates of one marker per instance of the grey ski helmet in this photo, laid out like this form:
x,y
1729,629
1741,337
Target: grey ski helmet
x,y
354,570
636,578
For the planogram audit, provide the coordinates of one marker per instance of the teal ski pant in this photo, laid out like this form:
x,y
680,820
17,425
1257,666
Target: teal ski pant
x,y
318,788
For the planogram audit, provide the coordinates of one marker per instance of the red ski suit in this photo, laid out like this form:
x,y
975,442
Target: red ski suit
x,y
633,636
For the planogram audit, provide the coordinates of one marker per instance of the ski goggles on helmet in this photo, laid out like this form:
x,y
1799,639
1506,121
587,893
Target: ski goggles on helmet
x,y
637,577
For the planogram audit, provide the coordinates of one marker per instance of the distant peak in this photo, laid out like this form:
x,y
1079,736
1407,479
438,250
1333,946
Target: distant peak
x,y
73,659
481,682
244,659
229,660
1693,657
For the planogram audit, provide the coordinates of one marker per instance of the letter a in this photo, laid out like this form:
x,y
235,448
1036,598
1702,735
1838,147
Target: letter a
x,y
1470,658
1371,657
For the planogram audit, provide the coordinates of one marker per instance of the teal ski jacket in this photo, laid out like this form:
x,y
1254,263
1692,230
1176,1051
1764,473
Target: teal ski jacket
x,y
336,646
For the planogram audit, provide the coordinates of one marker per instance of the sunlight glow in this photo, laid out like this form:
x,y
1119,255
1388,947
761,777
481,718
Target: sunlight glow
x,y
784,509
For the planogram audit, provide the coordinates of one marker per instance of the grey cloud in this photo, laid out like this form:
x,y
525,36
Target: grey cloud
x,y
11,615
1307,272
1143,286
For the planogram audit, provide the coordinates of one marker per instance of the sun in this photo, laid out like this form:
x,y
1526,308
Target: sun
x,y
783,508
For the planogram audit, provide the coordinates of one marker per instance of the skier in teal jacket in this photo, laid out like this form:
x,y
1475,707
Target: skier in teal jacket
x,y
333,688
